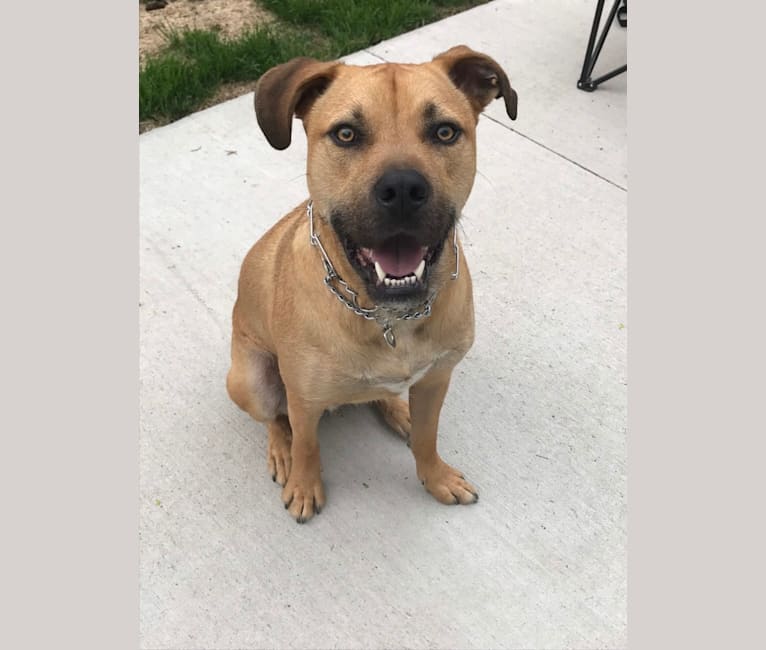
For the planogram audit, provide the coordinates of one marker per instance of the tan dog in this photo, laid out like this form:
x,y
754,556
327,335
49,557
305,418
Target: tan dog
x,y
363,292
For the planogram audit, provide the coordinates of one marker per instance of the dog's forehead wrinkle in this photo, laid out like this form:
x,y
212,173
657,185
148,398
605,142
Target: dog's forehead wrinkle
x,y
354,116
394,94
432,113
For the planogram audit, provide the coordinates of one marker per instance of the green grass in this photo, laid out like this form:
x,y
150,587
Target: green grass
x,y
351,26
194,64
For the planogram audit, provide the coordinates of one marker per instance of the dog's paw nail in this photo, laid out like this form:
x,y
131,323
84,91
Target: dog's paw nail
x,y
457,501
274,478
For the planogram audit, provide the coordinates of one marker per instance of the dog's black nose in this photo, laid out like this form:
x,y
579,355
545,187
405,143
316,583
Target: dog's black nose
x,y
402,191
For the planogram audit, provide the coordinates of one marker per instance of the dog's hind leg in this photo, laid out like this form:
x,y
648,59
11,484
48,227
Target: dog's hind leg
x,y
255,385
396,413
253,382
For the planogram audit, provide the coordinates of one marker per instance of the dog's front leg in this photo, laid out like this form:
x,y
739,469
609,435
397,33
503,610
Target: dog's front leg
x,y
303,494
444,482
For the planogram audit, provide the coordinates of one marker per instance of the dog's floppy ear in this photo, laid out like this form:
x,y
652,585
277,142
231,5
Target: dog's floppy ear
x,y
286,90
478,77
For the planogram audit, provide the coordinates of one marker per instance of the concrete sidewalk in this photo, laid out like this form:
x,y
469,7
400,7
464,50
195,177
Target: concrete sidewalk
x,y
535,416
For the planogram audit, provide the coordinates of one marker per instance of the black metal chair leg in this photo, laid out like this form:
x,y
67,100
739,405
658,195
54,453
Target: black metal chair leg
x,y
592,52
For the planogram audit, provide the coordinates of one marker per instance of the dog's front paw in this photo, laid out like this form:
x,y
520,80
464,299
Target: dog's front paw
x,y
303,495
447,484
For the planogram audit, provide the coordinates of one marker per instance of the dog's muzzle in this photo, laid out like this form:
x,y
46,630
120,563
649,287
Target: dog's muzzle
x,y
384,316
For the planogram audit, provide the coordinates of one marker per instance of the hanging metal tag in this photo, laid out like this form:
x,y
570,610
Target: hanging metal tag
x,y
388,334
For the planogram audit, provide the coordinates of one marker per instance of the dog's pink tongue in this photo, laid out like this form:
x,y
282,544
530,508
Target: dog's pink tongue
x,y
399,256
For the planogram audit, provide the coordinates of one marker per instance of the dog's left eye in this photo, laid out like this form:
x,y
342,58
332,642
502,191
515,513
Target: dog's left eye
x,y
446,133
344,135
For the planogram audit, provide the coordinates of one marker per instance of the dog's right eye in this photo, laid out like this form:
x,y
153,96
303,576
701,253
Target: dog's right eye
x,y
446,133
344,135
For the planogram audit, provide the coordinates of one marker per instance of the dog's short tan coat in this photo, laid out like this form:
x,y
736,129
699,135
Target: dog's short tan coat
x,y
296,350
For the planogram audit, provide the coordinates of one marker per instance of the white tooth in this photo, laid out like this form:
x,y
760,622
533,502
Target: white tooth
x,y
387,282
379,270
411,279
420,269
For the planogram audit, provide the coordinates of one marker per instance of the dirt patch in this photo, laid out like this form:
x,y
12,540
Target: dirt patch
x,y
229,91
230,17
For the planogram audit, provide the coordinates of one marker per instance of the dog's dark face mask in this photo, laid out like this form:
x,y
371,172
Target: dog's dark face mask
x,y
395,248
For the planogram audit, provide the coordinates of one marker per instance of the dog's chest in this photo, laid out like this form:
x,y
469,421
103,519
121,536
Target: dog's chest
x,y
395,374
398,382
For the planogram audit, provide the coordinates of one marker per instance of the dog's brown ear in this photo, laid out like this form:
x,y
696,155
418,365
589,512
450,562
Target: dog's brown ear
x,y
479,77
286,90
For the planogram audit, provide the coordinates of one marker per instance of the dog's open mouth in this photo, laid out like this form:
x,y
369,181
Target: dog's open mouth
x,y
398,266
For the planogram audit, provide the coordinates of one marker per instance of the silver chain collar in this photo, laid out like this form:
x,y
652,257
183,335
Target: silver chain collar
x,y
382,316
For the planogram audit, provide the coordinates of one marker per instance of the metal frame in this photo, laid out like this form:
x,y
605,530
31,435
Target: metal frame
x,y
585,82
